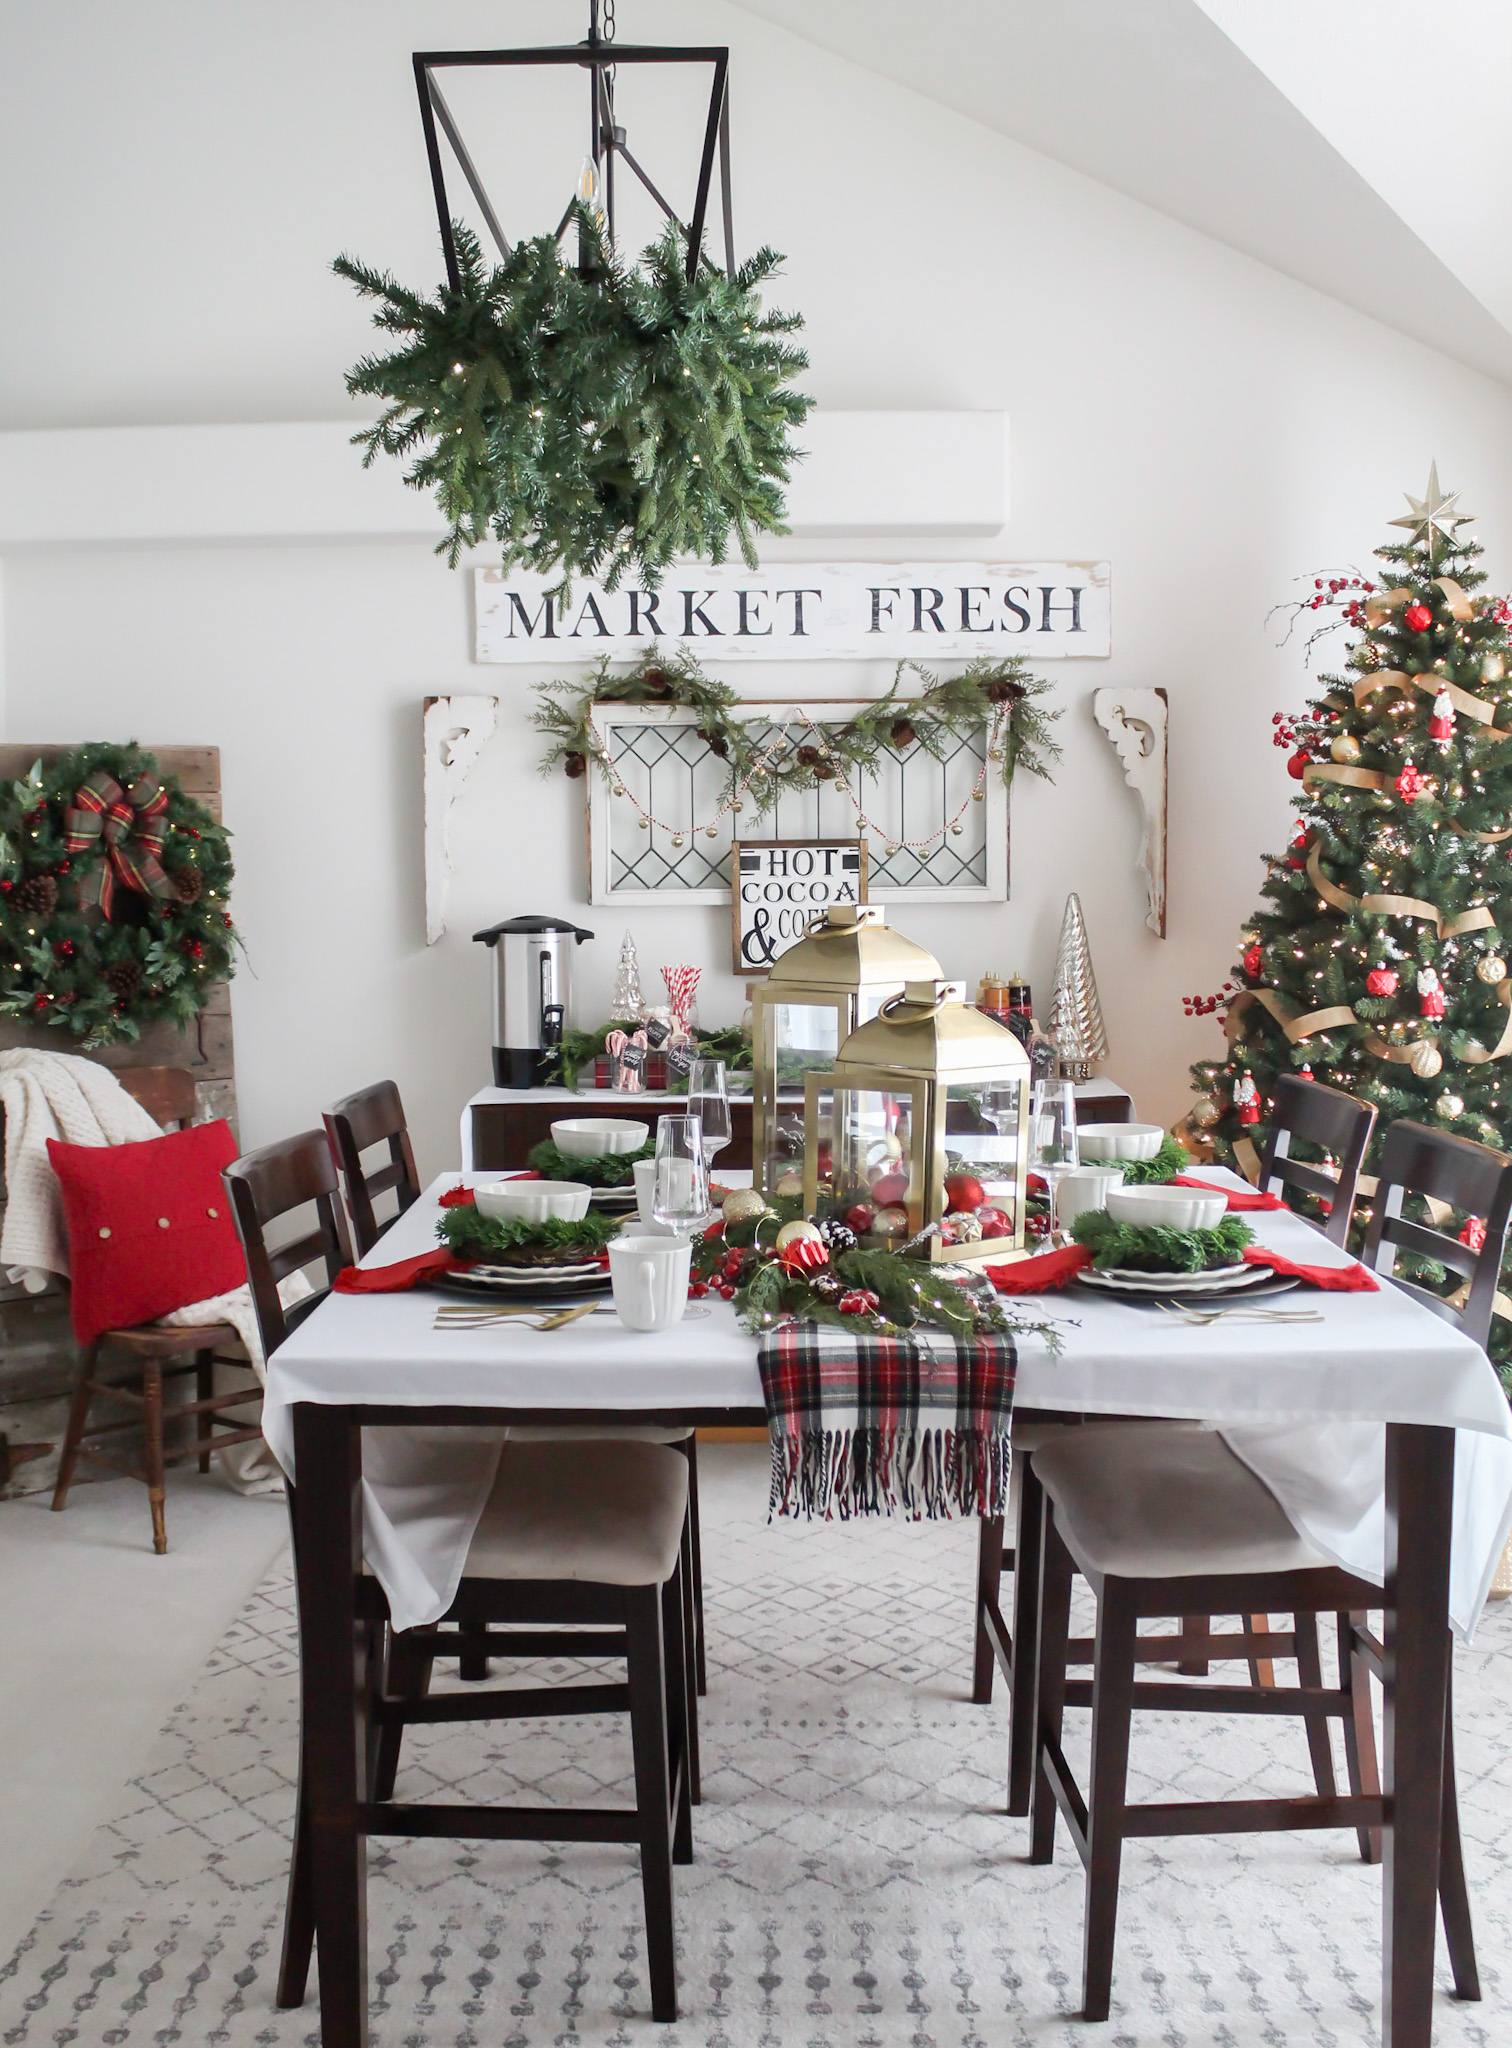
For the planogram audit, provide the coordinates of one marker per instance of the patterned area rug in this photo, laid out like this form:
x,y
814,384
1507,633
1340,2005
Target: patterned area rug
x,y
856,1885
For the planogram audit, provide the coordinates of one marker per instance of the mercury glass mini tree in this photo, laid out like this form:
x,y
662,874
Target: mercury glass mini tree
x,y
1376,959
1076,1018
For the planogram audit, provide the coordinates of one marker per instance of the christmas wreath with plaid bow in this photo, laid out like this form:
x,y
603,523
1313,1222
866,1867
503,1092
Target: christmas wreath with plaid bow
x,y
114,896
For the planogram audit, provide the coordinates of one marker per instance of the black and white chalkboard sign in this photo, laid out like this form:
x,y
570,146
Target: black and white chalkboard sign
x,y
778,885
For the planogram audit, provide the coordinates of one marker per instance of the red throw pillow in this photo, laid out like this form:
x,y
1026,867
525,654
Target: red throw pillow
x,y
149,1225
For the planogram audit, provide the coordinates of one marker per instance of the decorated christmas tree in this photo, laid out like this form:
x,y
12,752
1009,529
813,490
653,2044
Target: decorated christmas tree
x,y
1376,959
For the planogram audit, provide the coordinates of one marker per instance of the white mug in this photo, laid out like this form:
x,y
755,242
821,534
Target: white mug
x,y
1085,1187
645,1190
650,1276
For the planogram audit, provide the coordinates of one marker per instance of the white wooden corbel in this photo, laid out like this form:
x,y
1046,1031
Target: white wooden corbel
x,y
1137,722
455,731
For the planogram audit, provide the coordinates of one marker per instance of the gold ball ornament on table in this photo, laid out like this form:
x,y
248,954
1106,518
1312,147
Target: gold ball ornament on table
x,y
1491,968
743,1204
1346,749
1426,1060
797,1233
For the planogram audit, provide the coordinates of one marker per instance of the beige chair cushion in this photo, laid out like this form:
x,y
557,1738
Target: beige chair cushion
x,y
1166,1503
611,1513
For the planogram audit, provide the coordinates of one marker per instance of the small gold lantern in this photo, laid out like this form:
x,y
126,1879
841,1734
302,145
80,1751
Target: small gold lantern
x,y
923,1120
835,978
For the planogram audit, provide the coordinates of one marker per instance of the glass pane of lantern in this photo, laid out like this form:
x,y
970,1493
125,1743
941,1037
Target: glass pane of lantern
x,y
805,1039
872,1175
982,1145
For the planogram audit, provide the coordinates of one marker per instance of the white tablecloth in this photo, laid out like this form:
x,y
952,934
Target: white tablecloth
x,y
1305,1405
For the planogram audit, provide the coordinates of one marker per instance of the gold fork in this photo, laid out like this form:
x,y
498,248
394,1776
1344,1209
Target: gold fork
x,y
479,1319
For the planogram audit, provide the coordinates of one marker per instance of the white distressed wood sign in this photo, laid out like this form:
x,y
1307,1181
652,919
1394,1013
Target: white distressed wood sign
x,y
805,611
1137,722
778,886
455,731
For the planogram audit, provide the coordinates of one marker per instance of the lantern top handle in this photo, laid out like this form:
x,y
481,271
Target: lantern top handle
x,y
845,917
921,999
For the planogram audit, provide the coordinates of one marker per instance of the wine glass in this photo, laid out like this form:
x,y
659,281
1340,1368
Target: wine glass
x,y
680,1194
709,1102
1053,1149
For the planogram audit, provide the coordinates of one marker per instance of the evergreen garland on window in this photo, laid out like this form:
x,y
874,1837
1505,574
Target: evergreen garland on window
x,y
593,419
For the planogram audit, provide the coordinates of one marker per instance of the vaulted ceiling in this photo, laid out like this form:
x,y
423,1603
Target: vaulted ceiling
x,y
1158,101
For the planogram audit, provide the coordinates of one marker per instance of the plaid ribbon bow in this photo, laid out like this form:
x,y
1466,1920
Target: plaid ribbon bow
x,y
870,1425
133,826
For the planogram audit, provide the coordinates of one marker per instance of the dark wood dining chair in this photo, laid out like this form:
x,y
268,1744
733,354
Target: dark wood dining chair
x,y
135,1367
373,1116
578,1553
1169,1523
1305,1112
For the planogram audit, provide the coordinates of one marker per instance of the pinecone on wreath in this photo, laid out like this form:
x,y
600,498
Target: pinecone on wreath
x,y
1004,692
188,883
37,894
902,734
124,980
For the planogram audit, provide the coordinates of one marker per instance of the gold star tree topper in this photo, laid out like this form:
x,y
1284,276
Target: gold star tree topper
x,y
1433,512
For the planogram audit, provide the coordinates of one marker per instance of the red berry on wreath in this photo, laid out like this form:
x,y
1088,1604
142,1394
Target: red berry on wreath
x,y
860,1301
1417,618
698,1289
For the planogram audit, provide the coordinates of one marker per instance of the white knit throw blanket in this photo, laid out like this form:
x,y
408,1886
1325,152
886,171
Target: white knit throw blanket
x,y
58,1095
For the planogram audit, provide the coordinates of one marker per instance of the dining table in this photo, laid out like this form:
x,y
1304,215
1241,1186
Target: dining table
x,y
1382,1429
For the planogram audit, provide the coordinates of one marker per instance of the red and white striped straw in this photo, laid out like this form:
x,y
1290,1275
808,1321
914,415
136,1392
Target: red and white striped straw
x,y
682,983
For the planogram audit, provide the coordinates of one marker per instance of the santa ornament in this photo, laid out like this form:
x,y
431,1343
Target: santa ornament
x,y
1430,993
1247,1098
1441,724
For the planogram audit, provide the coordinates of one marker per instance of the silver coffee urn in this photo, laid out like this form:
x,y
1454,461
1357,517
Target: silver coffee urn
x,y
532,995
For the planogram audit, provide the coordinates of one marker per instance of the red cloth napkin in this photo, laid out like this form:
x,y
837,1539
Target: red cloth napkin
x,y
1352,1279
395,1279
459,1196
1046,1270
1238,1201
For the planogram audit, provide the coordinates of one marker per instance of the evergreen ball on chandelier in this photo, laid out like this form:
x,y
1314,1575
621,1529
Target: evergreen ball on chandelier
x,y
595,418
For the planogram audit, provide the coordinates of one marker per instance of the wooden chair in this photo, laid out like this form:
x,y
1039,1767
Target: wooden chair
x,y
578,1554
1308,1112
371,1117
1170,1523
156,1356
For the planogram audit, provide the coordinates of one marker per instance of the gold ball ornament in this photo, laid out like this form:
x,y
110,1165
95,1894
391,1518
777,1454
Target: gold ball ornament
x,y
1204,1112
743,1204
791,1182
1450,1106
891,1221
1491,968
1346,749
1426,1060
1493,668
797,1233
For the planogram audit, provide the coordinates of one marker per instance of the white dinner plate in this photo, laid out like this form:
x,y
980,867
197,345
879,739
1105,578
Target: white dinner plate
x,y
1227,1280
1210,1276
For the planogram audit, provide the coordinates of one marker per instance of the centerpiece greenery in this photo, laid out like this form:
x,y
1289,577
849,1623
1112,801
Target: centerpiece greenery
x,y
602,1170
468,1234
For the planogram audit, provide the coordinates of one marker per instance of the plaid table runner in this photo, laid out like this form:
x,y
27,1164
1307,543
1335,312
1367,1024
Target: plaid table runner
x,y
872,1425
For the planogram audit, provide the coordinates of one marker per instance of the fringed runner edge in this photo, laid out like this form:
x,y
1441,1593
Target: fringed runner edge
x,y
925,1474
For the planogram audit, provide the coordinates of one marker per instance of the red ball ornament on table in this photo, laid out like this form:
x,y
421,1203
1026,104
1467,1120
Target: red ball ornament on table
x,y
1417,618
1382,981
805,1255
860,1301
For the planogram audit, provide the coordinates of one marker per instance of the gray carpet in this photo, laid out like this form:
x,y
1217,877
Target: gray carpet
x,y
856,1884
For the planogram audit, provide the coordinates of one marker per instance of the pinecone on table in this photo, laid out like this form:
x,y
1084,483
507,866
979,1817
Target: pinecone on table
x,y
37,894
838,1237
188,882
124,980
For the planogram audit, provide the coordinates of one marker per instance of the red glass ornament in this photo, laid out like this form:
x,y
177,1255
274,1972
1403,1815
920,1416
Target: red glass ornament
x,y
1409,784
1417,618
1382,981
1296,767
804,1255
1252,961
964,1191
1473,1234
860,1218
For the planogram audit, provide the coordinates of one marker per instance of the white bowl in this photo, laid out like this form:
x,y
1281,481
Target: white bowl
x,y
598,1137
1119,1141
532,1201
1172,1208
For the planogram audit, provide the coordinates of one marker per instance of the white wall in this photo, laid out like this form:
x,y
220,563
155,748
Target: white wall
x,y
1214,429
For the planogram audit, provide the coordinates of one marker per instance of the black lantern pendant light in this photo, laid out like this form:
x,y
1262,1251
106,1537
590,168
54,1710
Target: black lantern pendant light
x,y
600,56
600,419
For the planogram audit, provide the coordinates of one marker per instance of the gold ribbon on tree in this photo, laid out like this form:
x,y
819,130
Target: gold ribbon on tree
x,y
1476,919
132,825
1382,603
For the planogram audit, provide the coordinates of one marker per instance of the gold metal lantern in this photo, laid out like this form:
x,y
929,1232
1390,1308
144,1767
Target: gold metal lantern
x,y
837,977
922,1124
